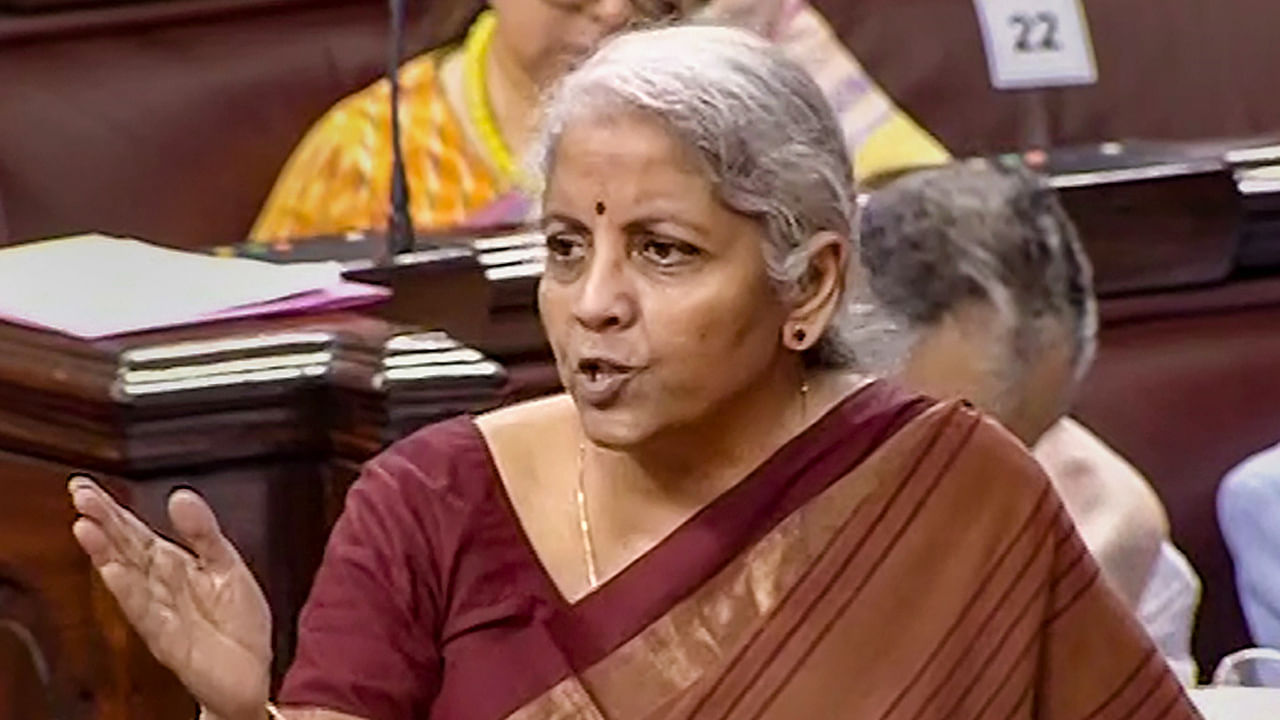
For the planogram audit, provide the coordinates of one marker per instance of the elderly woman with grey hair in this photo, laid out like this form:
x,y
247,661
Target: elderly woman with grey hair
x,y
721,518
982,269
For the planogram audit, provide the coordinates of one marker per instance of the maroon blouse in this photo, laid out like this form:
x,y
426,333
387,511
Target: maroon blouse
x,y
431,602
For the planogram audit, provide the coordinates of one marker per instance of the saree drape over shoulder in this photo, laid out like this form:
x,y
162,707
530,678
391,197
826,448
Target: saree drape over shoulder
x,y
898,559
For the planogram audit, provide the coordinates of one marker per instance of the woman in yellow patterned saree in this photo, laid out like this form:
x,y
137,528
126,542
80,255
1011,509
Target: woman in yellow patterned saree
x,y
468,111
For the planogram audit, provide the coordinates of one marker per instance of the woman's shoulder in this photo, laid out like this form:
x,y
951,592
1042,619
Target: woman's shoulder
x,y
1068,442
976,450
445,462
971,480
459,458
518,435
527,415
1091,475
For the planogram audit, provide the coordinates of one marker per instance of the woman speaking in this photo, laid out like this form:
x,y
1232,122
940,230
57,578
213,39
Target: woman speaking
x,y
721,518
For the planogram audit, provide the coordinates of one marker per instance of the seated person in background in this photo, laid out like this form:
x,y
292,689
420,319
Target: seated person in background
x,y
1249,515
882,138
468,113
722,518
980,268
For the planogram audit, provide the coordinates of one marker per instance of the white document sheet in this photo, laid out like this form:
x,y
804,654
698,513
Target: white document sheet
x,y
95,285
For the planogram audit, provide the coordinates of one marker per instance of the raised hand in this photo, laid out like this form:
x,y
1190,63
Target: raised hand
x,y
200,612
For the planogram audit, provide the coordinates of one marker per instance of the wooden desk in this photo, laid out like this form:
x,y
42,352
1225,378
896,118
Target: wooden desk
x,y
269,420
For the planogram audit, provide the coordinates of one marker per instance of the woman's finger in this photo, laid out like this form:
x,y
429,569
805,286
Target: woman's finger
x,y
87,498
93,529
96,544
197,526
131,537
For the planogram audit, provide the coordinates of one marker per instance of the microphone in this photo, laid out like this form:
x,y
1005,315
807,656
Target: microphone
x,y
400,228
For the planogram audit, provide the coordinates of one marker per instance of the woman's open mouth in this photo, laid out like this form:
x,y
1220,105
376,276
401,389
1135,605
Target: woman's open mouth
x,y
599,382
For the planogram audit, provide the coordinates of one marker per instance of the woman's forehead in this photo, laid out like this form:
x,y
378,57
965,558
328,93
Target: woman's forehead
x,y
613,144
635,169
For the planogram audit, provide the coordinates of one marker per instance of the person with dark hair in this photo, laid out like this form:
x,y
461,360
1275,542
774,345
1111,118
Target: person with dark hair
x,y
982,272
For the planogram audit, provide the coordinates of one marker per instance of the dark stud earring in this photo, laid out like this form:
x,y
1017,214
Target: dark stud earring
x,y
599,208
799,335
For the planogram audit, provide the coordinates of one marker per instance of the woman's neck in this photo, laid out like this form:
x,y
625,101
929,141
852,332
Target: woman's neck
x,y
637,497
688,466
513,96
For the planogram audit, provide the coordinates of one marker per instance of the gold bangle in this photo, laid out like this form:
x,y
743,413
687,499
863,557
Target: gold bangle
x,y
274,713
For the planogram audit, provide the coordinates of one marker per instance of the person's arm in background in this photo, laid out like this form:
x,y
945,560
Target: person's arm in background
x,y
1249,516
1125,527
1119,516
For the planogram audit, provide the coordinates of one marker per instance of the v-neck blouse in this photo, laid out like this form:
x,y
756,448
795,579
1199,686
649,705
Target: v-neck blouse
x,y
432,603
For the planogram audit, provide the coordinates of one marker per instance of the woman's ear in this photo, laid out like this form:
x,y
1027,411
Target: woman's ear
x,y
820,290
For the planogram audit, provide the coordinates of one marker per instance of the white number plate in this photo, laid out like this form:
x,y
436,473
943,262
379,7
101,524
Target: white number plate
x,y
1036,43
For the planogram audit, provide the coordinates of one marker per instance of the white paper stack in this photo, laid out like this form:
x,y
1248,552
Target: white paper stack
x,y
94,286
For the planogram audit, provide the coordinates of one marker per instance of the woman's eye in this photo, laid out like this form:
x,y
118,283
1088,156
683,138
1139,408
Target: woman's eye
x,y
667,253
564,247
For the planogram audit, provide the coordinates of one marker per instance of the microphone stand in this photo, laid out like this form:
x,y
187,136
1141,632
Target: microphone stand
x,y
400,228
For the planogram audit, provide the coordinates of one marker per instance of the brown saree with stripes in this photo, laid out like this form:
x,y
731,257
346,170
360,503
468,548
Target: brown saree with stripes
x,y
898,560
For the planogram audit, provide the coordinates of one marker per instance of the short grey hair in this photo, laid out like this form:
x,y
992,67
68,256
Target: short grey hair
x,y
939,238
770,143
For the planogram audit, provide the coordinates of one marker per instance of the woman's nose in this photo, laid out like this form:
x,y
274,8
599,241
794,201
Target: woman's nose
x,y
605,297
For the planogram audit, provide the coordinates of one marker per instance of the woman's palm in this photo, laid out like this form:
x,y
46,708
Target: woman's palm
x,y
201,612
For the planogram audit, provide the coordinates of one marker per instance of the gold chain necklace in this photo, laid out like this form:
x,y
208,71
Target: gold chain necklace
x,y
584,521
584,518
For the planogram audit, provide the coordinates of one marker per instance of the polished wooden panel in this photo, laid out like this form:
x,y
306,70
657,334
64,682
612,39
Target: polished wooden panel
x,y
34,577
1164,233
273,512
480,285
80,637
267,419
23,691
